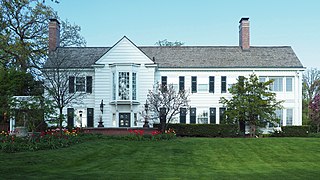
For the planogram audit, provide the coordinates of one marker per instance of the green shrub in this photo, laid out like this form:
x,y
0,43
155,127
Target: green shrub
x,y
292,131
316,135
204,130
43,140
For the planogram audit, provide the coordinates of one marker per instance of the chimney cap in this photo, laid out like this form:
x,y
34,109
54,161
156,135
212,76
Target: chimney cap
x,y
54,20
244,19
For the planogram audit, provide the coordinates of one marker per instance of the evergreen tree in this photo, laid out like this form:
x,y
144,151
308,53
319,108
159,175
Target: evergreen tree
x,y
251,103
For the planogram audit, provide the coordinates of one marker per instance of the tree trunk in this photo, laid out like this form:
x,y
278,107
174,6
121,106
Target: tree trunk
x,y
60,120
162,124
318,127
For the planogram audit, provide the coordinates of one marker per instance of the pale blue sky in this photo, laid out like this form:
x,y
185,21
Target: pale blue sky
x,y
294,23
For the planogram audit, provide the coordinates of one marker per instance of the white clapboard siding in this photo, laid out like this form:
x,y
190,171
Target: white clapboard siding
x,y
124,52
204,99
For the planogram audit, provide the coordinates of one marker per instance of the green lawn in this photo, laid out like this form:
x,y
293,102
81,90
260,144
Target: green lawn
x,y
183,158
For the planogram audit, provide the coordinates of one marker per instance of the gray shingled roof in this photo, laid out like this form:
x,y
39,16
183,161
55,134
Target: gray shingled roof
x,y
194,56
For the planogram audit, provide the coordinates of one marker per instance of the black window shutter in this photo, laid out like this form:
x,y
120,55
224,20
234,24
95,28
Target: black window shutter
x,y
89,84
211,84
193,115
71,84
194,84
164,83
223,84
70,112
181,83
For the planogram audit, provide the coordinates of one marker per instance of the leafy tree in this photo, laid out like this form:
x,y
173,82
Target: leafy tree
x,y
310,87
165,42
251,103
16,83
314,111
70,35
24,34
57,75
30,111
314,107
169,100
24,45
311,83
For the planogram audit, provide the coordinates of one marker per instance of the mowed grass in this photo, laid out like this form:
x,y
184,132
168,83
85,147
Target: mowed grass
x,y
182,158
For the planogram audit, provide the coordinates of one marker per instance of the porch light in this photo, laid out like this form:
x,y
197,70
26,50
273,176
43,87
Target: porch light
x,y
101,106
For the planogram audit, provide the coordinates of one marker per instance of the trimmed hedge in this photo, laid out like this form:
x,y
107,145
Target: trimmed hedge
x,y
292,131
204,130
295,131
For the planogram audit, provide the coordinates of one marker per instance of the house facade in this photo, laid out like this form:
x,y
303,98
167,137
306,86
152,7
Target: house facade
x,y
116,79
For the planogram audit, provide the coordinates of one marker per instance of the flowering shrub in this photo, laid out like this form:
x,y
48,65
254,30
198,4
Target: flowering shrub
x,y
50,139
156,135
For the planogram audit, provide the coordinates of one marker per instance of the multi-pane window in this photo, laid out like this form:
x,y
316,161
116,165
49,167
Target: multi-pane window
x,y
211,84
80,84
181,83
289,117
277,84
289,84
124,89
203,117
134,86
223,84
262,79
279,114
124,86
203,87
194,84
164,83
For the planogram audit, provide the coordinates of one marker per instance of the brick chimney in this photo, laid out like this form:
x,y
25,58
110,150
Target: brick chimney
x,y
244,34
54,34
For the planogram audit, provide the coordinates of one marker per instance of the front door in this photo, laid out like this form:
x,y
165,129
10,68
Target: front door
x,y
124,119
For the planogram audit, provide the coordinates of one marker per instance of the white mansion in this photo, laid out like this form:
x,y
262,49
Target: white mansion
x,y
121,76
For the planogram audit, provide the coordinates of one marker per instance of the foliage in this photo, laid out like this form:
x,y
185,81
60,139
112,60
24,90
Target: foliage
x,y
169,100
292,131
42,141
204,130
24,46
165,42
139,135
310,88
70,35
24,33
251,103
311,83
314,111
30,111
16,83
315,135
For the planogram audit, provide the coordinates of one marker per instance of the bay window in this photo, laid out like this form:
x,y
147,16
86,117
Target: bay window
x,y
124,85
